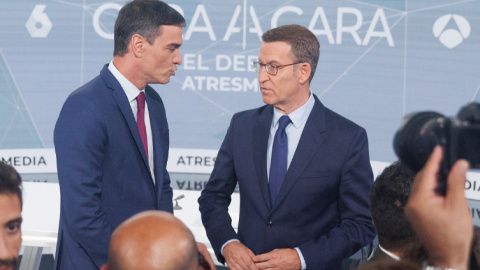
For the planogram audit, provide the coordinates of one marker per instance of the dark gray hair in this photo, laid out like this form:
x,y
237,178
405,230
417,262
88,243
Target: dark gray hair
x,y
305,45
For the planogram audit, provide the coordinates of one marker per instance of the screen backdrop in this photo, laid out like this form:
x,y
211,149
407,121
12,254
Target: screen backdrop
x,y
379,60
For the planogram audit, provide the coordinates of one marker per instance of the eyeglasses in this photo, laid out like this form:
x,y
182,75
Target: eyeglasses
x,y
271,69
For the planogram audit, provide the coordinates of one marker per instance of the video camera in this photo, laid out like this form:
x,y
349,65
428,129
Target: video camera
x,y
459,137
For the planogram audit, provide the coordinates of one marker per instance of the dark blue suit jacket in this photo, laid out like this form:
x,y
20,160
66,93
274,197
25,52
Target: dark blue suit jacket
x,y
103,171
322,207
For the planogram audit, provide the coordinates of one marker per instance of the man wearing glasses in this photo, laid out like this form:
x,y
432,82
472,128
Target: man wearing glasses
x,y
303,171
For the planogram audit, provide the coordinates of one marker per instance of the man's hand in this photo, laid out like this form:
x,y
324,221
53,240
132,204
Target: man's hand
x,y
285,258
238,256
443,224
202,249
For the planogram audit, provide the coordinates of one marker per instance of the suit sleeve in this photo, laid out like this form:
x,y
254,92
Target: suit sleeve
x,y
80,139
166,201
216,197
355,228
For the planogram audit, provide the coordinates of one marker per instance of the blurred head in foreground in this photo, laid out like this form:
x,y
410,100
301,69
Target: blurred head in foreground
x,y
152,240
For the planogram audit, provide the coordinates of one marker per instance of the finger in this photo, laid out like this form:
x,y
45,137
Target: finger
x,y
429,171
249,263
250,254
262,265
261,258
433,163
202,249
456,182
241,262
232,265
210,262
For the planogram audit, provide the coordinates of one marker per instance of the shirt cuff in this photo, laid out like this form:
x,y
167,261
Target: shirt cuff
x,y
302,260
224,245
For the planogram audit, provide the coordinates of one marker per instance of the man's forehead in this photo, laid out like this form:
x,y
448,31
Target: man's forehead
x,y
277,51
171,33
10,207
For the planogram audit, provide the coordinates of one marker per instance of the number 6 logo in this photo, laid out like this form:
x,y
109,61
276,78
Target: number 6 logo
x,y
38,24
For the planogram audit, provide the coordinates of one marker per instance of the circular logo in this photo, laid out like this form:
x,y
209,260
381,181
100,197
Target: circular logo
x,y
451,37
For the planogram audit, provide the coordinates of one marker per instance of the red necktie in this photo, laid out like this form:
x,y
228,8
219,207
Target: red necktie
x,y
141,120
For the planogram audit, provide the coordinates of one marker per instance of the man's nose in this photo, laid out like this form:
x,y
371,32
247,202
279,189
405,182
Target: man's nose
x,y
263,74
4,252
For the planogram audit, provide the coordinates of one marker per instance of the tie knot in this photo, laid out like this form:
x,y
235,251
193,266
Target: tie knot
x,y
141,100
283,122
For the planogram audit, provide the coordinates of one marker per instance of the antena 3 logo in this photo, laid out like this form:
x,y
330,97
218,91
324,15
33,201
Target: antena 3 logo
x,y
38,24
451,37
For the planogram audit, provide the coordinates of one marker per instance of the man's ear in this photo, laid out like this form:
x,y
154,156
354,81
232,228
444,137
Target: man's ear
x,y
137,45
304,72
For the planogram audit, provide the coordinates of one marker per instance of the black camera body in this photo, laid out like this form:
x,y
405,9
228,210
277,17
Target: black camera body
x,y
459,137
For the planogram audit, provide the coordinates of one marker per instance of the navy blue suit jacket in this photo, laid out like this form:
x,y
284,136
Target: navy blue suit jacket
x,y
103,171
322,207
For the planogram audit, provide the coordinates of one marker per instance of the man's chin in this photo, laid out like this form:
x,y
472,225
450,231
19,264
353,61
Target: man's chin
x,y
267,99
164,80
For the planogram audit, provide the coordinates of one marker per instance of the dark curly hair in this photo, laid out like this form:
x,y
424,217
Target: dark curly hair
x,y
10,181
387,199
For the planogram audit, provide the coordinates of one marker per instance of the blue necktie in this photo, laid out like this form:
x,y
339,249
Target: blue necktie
x,y
278,165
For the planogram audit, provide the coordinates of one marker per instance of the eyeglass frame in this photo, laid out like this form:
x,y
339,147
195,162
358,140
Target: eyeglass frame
x,y
268,66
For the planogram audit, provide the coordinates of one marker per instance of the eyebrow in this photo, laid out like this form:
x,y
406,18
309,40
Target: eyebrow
x,y
176,45
15,220
270,62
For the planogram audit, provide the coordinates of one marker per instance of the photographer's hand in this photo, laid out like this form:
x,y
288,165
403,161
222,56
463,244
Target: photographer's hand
x,y
442,223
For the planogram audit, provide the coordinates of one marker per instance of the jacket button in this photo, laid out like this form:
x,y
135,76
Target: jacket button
x,y
270,224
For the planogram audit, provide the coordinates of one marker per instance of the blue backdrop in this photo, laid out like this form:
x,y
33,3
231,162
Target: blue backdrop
x,y
379,60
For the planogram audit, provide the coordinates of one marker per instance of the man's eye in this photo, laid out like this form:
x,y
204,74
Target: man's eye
x,y
273,67
13,227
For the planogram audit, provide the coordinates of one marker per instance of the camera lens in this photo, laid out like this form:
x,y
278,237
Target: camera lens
x,y
415,140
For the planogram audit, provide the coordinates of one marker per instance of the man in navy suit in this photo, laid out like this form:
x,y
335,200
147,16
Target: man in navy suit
x,y
317,215
111,138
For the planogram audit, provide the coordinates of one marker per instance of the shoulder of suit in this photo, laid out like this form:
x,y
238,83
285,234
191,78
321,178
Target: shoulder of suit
x,y
339,121
95,91
90,88
253,113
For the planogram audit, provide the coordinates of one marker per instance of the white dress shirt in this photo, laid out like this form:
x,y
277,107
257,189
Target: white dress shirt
x,y
132,92
393,256
294,130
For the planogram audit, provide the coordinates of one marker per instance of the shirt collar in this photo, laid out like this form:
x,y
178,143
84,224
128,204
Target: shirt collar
x,y
130,90
393,256
299,116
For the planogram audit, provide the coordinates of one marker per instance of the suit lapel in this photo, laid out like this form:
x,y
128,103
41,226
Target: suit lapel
x,y
310,142
261,132
158,122
124,105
